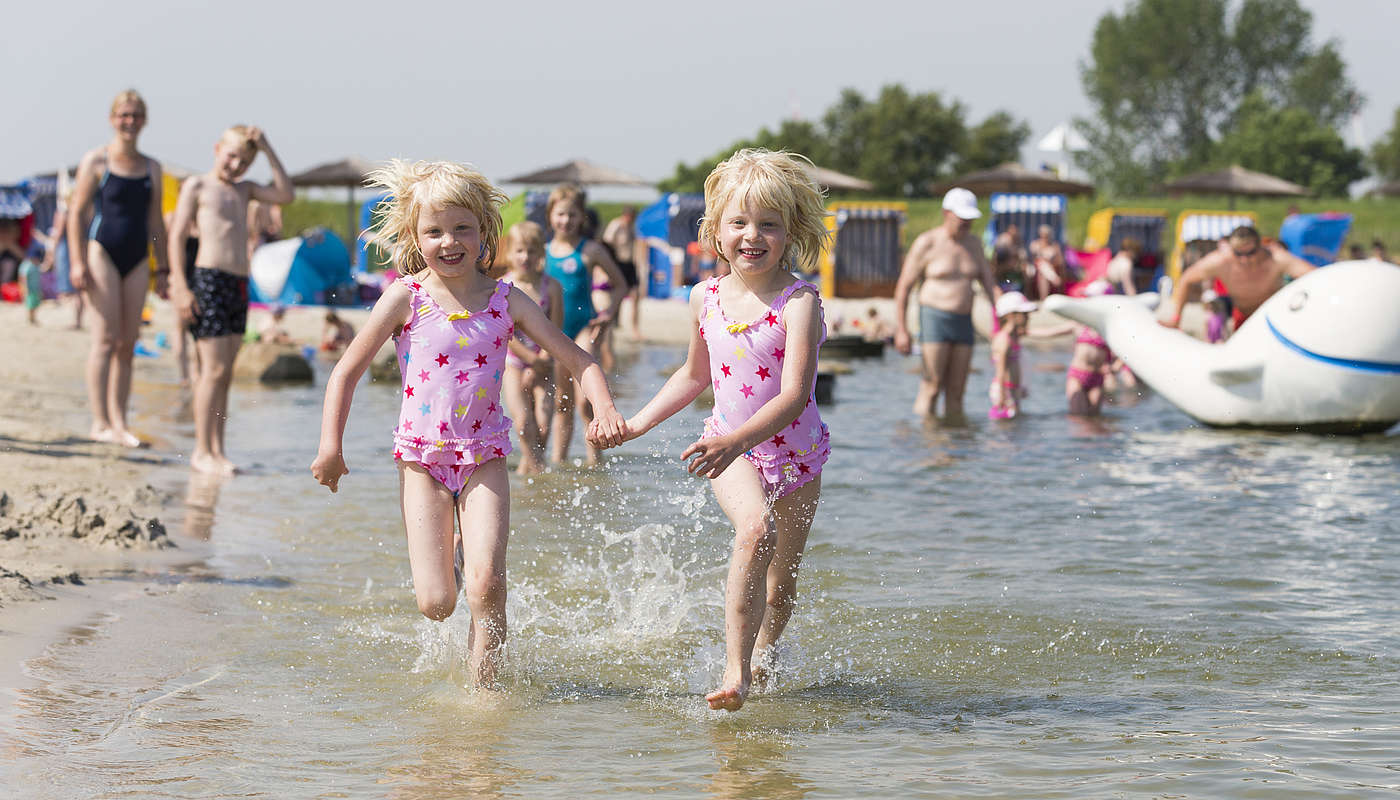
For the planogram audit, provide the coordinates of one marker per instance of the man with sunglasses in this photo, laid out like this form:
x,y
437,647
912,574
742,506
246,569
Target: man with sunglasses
x,y
1250,272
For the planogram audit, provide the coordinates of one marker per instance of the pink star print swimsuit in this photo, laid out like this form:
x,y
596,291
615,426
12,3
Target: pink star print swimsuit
x,y
746,366
451,419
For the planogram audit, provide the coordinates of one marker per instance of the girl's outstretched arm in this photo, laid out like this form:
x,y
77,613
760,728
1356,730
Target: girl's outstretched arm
x,y
608,428
389,314
802,318
684,384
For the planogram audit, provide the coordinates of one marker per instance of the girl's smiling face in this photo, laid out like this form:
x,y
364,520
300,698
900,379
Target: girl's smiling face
x,y
449,239
751,238
565,219
128,119
523,262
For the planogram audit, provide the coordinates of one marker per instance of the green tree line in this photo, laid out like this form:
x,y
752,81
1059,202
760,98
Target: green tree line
x,y
898,140
1180,86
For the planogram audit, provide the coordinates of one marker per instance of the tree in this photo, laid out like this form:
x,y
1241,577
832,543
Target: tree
x,y
1293,144
1167,78
1385,153
996,140
900,141
797,136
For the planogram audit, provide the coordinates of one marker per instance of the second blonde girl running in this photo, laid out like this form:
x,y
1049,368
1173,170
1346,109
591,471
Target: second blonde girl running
x,y
754,337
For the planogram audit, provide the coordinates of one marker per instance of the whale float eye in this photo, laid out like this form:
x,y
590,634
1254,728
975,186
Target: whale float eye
x,y
1299,300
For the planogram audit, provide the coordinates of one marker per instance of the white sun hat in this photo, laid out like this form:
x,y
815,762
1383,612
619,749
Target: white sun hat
x,y
1014,303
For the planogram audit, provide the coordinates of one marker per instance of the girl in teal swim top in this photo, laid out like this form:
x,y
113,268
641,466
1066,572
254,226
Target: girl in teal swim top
x,y
571,259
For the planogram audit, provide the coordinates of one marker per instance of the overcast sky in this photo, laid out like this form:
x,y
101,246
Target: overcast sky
x,y
518,85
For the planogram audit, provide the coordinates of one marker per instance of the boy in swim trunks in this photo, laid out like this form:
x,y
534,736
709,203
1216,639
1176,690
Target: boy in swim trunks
x,y
213,301
945,262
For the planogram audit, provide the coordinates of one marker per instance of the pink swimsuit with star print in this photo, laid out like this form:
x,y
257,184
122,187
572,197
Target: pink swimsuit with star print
x,y
746,367
451,420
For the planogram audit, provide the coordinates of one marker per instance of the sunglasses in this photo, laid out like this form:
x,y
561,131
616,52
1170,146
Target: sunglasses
x,y
1245,253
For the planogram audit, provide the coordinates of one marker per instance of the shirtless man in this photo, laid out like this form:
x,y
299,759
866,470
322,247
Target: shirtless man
x,y
1048,260
213,302
1250,271
946,261
621,236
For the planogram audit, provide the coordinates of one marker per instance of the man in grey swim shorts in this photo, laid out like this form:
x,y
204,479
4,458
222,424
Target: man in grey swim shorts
x,y
944,262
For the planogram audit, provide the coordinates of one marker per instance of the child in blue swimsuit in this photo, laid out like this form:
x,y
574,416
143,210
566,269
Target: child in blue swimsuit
x,y
571,259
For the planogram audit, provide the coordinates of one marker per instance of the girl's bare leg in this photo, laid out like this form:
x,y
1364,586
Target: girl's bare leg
x,y
562,429
484,507
108,295
428,519
133,301
792,516
740,492
518,393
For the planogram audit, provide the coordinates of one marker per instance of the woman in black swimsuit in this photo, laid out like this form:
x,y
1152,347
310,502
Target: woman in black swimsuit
x,y
119,189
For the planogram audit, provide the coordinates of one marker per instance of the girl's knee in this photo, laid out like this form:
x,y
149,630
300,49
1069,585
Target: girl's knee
x,y
484,589
437,604
754,537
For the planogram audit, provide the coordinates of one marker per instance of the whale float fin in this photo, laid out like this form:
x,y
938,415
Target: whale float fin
x,y
1229,375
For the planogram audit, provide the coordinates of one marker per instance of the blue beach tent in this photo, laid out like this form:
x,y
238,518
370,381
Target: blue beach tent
x,y
675,221
1315,238
311,269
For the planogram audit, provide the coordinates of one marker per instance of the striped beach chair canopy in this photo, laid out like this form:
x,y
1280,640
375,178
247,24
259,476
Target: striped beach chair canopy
x,y
1028,212
1209,227
15,202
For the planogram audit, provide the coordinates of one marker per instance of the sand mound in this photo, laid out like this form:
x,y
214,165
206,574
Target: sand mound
x,y
92,516
15,588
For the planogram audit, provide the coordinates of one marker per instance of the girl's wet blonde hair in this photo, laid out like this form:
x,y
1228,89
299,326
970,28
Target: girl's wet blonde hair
x,y
529,234
780,181
237,135
437,185
128,96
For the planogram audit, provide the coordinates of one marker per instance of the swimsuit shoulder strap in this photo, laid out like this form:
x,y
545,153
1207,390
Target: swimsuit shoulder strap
x,y
793,288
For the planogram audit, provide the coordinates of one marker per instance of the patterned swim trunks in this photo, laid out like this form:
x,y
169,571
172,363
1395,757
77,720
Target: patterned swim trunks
x,y
221,299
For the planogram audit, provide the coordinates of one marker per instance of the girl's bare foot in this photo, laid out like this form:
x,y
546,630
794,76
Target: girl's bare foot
x,y
729,696
114,436
210,464
529,466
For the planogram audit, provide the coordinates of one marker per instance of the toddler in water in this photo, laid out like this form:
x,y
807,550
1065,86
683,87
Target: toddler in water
x,y
451,324
754,338
529,378
1013,314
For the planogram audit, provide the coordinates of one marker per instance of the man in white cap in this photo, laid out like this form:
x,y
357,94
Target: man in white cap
x,y
945,261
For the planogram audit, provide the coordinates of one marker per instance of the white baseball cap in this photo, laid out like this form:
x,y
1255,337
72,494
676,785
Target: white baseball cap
x,y
961,202
1013,303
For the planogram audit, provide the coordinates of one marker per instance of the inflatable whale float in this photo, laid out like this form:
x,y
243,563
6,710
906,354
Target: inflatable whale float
x,y
1322,354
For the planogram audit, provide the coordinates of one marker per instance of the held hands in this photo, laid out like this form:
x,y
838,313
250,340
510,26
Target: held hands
x,y
163,284
712,456
608,429
328,468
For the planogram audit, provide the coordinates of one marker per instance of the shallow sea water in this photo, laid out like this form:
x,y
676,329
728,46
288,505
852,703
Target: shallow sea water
x,y
1046,607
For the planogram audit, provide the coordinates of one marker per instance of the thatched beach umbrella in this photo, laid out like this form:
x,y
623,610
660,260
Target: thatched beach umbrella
x,y
831,179
1234,181
1013,177
584,173
348,172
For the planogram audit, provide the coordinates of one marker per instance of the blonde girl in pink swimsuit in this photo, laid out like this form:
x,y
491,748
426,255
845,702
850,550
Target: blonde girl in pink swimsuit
x,y
529,378
754,339
451,323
